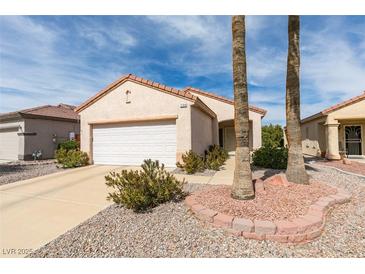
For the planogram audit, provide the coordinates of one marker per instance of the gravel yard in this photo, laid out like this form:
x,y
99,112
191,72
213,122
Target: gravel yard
x,y
21,170
354,167
170,230
276,203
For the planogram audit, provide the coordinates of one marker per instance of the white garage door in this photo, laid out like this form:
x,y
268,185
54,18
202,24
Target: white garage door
x,y
130,144
9,144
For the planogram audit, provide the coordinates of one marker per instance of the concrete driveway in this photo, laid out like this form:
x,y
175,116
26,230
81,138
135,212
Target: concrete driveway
x,y
36,211
33,212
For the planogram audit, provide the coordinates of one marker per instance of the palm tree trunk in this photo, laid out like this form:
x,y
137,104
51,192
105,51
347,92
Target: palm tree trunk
x,y
295,171
242,183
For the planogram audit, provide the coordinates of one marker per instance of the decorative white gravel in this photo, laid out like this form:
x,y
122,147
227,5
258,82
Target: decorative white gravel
x,y
170,230
22,170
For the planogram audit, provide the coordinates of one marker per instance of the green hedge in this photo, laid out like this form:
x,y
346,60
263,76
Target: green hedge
x,y
71,158
271,157
69,145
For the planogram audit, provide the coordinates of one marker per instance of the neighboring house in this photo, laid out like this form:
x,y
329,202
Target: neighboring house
x,y
335,130
134,119
41,128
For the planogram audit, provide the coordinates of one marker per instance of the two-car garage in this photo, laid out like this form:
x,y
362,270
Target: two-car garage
x,y
131,143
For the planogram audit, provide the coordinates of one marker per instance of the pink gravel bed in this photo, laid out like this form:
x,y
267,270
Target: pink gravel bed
x,y
276,203
354,167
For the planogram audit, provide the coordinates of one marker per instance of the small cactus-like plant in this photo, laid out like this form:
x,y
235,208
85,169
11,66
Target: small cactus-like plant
x,y
146,188
191,162
216,157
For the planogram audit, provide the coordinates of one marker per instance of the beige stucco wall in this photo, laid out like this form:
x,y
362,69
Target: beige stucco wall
x,y
225,112
45,130
145,102
313,137
353,111
13,124
202,130
314,133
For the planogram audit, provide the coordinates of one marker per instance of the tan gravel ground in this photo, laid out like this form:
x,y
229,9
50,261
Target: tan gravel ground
x,y
22,170
170,230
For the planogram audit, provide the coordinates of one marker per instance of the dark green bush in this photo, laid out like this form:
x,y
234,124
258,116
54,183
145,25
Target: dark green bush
x,y
146,188
192,162
71,158
216,157
272,136
69,145
271,157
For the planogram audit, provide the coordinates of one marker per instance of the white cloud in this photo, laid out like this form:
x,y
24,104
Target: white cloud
x,y
106,36
331,63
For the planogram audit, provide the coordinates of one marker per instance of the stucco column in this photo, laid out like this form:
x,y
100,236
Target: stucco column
x,y
332,152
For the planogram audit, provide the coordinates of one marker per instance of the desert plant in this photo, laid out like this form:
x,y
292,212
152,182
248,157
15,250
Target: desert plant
x,y
272,135
191,162
69,145
215,157
270,157
71,158
146,188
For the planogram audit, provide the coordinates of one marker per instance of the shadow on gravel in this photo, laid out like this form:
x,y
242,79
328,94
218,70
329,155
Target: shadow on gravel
x,y
271,172
8,169
308,167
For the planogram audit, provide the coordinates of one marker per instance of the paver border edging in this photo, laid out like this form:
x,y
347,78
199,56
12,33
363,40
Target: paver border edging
x,y
300,230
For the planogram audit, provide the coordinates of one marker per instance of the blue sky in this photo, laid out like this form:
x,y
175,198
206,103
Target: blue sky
x,y
53,59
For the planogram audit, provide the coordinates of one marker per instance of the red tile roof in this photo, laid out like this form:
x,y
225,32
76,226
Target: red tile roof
x,y
173,91
223,99
335,107
61,111
345,103
139,80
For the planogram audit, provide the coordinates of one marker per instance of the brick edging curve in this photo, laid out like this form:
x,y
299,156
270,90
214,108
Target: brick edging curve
x,y
301,229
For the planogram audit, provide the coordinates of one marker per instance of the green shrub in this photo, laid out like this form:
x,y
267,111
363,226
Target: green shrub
x,y
271,157
146,188
71,158
216,157
69,145
272,136
192,162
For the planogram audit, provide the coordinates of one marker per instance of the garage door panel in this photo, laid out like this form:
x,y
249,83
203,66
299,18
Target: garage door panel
x,y
9,144
131,144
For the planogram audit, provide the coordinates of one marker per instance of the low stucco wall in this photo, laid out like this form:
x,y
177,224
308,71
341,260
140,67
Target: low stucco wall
x,y
144,102
314,137
44,131
202,130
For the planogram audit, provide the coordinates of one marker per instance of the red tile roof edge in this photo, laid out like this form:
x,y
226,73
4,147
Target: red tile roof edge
x,y
224,99
170,90
66,113
334,107
344,103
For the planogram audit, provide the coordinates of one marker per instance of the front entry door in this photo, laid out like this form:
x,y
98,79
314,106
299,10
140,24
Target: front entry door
x,y
353,140
229,139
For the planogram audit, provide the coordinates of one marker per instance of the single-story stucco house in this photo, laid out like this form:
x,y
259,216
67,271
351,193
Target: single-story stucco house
x,y
134,119
335,130
41,128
